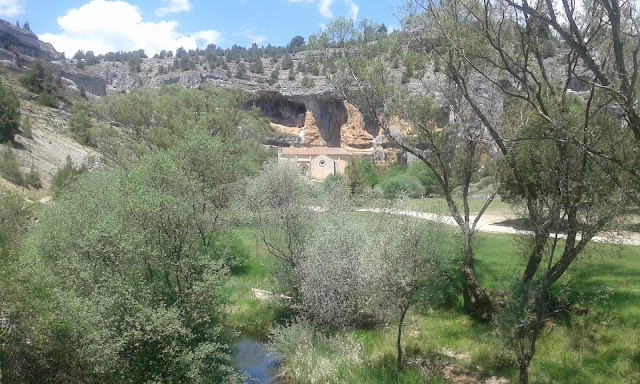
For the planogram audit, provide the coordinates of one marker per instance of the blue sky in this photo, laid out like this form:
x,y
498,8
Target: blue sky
x,y
111,25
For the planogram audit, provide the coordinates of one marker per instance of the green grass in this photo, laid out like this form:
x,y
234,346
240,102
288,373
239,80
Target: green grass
x,y
247,314
600,345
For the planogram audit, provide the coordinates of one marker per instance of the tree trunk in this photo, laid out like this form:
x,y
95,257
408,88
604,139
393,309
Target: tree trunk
x,y
524,368
477,301
403,312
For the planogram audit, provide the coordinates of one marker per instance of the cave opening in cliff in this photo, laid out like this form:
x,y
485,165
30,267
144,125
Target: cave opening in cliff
x,y
281,111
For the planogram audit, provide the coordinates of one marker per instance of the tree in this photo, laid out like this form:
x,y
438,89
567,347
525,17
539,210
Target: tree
x,y
296,43
143,275
241,70
287,62
567,159
81,124
413,267
9,114
41,79
338,272
66,176
444,133
278,204
79,55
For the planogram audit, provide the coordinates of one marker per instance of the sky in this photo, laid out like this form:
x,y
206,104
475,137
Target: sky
x,y
153,25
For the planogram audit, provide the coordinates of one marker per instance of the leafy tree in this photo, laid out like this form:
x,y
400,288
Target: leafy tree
x,y
90,58
277,202
413,268
9,114
338,275
560,157
360,174
81,124
258,67
296,44
9,165
41,79
241,70
79,55
287,62
156,305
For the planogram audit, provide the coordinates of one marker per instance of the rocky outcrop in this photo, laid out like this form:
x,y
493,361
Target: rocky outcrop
x,y
353,134
91,84
24,42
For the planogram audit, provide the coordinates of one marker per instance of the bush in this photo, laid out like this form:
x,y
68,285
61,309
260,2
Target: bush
x,y
32,179
65,177
425,175
332,180
402,184
311,356
9,167
361,175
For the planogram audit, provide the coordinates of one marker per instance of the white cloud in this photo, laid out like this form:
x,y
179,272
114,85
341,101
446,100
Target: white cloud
x,y
173,6
324,7
11,8
353,9
102,26
253,37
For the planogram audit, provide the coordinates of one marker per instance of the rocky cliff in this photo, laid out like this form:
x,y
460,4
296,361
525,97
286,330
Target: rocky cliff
x,y
22,41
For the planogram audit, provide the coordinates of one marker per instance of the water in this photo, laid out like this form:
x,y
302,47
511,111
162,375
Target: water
x,y
252,357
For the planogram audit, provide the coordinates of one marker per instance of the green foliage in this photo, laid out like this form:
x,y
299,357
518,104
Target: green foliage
x,y
287,62
241,70
314,357
402,185
360,174
9,166
12,226
65,177
9,113
157,119
333,179
41,79
81,124
33,179
142,252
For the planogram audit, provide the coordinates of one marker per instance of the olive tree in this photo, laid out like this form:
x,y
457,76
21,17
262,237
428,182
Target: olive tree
x,y
279,206
413,264
339,273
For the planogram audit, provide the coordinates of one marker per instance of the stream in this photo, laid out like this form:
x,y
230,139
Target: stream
x,y
251,356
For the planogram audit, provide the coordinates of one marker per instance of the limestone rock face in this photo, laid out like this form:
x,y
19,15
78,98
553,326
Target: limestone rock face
x,y
311,133
24,42
353,134
91,84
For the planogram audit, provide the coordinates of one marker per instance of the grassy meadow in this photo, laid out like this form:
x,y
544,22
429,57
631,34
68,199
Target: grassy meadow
x,y
597,341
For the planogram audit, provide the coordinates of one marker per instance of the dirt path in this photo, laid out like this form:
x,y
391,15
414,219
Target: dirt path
x,y
494,223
